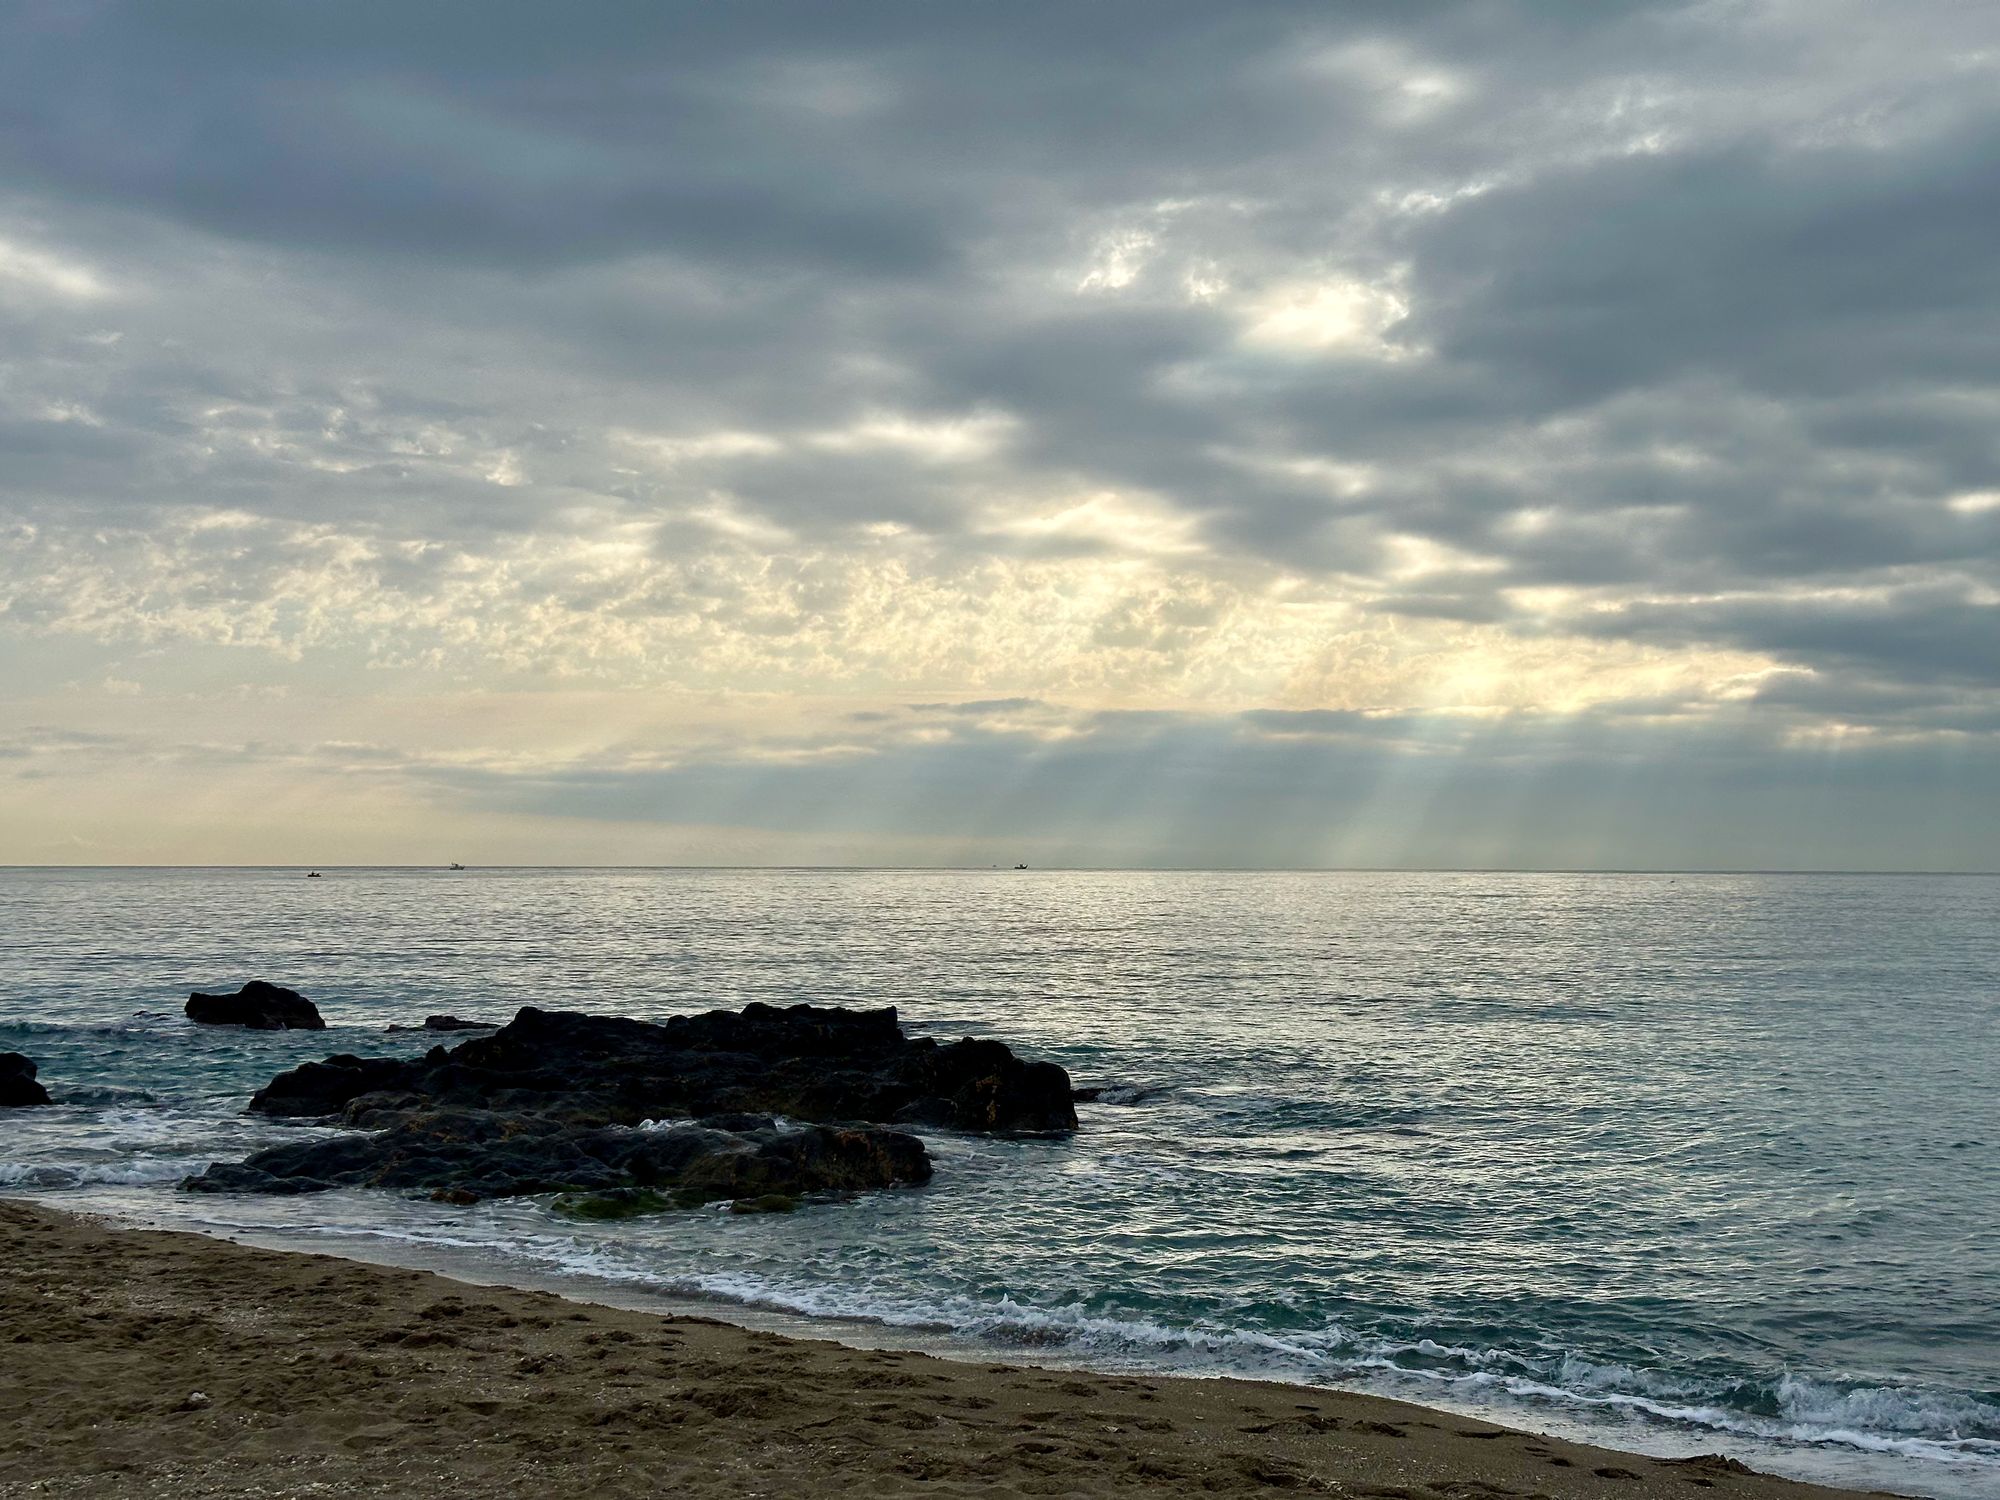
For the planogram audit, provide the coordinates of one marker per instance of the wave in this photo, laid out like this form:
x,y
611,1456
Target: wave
x,y
1792,1411
105,1095
153,1022
145,1023
1922,1425
1940,1426
130,1171
784,1124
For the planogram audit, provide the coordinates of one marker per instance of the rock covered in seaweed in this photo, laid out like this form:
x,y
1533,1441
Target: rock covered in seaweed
x,y
463,1155
807,1062
259,1006
18,1089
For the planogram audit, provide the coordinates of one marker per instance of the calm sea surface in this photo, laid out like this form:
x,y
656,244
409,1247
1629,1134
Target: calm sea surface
x,y
1683,1164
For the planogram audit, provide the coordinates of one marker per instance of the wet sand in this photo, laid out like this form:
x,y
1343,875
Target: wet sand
x,y
146,1363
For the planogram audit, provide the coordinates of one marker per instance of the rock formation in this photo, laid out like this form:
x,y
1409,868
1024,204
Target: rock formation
x,y
260,1006
461,1156
18,1088
807,1062
563,1102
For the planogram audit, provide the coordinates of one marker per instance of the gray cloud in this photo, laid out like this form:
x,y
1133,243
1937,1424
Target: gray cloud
x,y
1351,361
1919,635
1314,789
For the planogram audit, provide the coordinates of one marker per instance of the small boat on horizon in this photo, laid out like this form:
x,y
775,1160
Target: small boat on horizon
x,y
314,875
456,865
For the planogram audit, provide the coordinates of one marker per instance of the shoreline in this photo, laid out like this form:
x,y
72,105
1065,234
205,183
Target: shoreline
x,y
318,1372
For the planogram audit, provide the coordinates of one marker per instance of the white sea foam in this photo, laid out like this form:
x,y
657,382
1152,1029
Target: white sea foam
x,y
783,1123
1941,1444
1811,1416
1909,1423
128,1171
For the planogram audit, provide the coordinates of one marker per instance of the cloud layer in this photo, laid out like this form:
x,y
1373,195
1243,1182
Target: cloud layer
x,y
1340,426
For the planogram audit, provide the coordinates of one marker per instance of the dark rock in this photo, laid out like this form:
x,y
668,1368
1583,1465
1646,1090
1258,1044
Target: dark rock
x,y
548,1103
805,1062
791,1163
260,1006
448,1023
461,1156
246,1177
323,1088
18,1088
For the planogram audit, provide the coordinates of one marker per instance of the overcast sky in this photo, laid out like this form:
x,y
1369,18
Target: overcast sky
x,y
1439,434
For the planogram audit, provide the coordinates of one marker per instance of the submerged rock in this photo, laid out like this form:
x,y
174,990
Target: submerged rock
x,y
1116,1093
18,1089
612,1203
260,1006
806,1062
462,1156
448,1023
766,1203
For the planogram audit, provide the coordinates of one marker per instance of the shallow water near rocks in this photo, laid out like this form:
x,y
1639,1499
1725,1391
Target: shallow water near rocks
x,y
1683,1164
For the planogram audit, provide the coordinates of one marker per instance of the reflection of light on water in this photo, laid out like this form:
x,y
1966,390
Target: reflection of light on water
x,y
1519,1143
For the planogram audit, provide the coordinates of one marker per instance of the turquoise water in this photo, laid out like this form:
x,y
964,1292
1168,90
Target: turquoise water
x,y
1684,1164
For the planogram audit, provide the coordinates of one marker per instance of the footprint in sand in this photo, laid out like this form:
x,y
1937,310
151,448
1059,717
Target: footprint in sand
x,y
1382,1429
1292,1426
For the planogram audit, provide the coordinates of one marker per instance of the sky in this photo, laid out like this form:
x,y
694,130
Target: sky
x,y
1468,435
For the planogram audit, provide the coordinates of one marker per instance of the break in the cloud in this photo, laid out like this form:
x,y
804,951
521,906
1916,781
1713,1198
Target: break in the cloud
x,y
1473,433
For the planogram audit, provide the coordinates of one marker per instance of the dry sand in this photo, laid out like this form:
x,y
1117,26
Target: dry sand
x,y
143,1363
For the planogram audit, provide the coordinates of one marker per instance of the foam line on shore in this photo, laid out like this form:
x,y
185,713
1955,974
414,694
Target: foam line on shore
x,y
1113,1346
148,1364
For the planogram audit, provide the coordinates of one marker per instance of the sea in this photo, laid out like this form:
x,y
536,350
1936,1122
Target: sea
x,y
1675,1163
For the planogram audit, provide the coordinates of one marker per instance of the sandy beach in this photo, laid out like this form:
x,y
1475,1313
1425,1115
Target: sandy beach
x,y
146,1363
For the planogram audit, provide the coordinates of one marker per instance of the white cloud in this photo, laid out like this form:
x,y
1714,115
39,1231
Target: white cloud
x,y
943,440
1118,260
25,268
676,450
1336,316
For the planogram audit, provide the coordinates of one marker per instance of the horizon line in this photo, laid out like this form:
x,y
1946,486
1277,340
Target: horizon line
x,y
1059,869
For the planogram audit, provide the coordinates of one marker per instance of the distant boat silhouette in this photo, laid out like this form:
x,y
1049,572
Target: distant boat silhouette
x,y
314,875
1020,867
456,865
